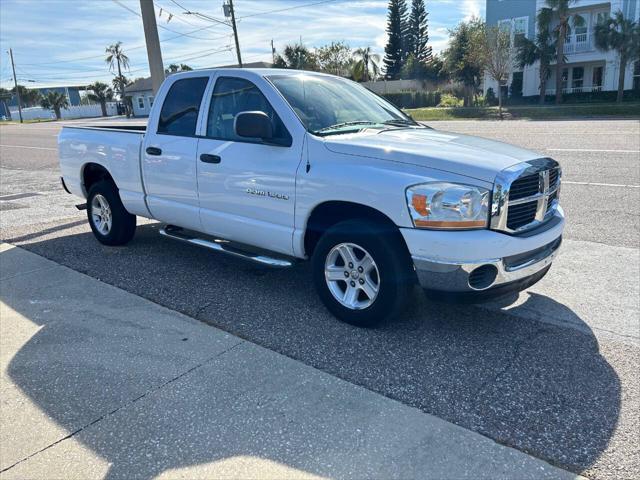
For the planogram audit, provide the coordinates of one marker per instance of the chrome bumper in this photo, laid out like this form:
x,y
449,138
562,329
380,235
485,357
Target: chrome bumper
x,y
484,274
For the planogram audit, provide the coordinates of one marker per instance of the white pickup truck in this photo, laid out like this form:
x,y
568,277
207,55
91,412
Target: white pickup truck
x,y
278,166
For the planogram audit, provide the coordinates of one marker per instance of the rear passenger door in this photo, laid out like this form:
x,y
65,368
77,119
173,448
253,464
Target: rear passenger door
x,y
246,186
169,153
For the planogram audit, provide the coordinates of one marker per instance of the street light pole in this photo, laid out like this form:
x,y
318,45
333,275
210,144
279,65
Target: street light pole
x,y
154,54
15,82
235,32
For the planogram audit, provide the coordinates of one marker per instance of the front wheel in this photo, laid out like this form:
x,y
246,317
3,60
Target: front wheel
x,y
361,272
109,220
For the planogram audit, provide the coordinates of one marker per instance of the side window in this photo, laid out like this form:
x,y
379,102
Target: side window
x,y
232,96
179,113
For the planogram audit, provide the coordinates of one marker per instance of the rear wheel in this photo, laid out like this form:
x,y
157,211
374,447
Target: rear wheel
x,y
361,272
109,220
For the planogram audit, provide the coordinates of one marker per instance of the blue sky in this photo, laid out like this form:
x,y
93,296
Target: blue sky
x,y
58,42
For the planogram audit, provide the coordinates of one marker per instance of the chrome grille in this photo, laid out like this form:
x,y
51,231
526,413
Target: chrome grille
x,y
525,195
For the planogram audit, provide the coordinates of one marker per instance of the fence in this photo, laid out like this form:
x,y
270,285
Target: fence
x,y
75,111
396,86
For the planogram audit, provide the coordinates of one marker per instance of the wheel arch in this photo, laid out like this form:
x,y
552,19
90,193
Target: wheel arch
x,y
326,214
92,173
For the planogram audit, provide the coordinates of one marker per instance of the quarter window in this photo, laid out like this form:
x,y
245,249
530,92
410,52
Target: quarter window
x,y
179,113
232,96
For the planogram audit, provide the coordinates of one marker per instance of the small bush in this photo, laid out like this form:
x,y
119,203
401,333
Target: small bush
x,y
449,100
490,97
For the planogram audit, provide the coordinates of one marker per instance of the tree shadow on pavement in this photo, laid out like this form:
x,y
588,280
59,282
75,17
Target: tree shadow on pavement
x,y
542,388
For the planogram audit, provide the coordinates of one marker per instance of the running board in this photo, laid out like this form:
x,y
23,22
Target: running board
x,y
223,246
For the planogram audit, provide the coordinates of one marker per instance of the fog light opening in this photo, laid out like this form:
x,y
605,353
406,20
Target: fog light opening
x,y
483,277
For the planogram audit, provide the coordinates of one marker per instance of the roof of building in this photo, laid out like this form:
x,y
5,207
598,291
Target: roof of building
x,y
144,84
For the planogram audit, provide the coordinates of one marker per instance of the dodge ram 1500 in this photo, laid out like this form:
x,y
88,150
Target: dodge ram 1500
x,y
277,166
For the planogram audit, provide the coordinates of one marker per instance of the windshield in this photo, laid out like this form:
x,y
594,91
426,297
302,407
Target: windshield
x,y
331,105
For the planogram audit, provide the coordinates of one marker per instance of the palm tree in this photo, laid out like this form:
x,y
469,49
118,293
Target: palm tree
x,y
297,56
542,50
173,68
623,36
101,94
368,63
561,10
55,101
117,58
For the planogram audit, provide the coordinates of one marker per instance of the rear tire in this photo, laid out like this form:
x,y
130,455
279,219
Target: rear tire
x,y
110,222
371,288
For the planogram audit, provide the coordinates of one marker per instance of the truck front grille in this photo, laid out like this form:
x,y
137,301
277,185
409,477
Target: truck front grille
x,y
525,195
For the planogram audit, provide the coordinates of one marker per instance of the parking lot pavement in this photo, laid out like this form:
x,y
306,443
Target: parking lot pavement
x,y
552,372
123,388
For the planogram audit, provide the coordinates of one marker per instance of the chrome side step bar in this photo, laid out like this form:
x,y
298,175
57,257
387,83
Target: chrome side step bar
x,y
223,246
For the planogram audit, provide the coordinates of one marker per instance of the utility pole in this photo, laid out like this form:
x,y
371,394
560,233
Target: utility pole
x,y
235,32
154,54
273,53
15,82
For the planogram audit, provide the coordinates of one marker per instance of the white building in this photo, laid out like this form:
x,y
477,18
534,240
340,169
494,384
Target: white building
x,y
587,69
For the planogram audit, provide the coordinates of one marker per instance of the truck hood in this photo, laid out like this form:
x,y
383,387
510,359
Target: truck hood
x,y
460,154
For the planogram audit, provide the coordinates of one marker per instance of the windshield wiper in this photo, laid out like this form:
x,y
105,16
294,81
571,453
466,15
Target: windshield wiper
x,y
345,124
402,122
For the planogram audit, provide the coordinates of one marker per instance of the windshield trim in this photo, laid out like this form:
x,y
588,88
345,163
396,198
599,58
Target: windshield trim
x,y
269,78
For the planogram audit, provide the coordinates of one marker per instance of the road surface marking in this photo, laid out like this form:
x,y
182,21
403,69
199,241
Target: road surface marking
x,y
590,150
564,182
26,146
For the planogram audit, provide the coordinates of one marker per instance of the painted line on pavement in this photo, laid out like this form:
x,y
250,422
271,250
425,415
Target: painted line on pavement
x,y
589,150
27,146
618,185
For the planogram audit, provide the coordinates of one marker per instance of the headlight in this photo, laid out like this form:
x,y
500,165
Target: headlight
x,y
446,206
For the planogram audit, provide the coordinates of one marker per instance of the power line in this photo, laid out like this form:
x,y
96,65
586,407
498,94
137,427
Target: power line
x,y
267,12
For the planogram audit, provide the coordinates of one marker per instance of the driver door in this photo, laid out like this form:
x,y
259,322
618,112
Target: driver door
x,y
246,187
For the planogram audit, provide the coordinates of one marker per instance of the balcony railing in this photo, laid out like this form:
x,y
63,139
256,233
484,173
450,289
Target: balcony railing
x,y
579,43
595,88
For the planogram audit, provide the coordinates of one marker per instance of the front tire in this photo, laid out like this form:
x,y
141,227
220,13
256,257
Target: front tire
x,y
110,222
361,272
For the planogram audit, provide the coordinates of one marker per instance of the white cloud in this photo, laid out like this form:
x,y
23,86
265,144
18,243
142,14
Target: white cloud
x,y
472,8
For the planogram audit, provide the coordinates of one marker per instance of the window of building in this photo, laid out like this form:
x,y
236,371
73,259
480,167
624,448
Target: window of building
x,y
596,78
150,101
636,75
141,103
232,96
600,17
179,113
520,26
577,79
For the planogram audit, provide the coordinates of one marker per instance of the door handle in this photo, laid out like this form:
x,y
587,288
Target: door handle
x,y
207,158
154,151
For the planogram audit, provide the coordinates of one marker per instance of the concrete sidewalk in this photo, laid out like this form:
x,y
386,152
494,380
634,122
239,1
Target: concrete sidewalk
x,y
100,383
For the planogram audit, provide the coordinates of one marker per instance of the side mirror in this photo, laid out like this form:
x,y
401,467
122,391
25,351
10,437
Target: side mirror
x,y
253,125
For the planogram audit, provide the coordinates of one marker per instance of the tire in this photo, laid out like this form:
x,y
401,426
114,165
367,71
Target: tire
x,y
111,224
392,273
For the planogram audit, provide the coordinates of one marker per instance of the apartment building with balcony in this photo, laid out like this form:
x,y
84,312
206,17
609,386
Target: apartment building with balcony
x,y
587,69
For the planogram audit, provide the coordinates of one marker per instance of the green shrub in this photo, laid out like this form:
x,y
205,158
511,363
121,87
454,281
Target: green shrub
x,y
490,97
449,100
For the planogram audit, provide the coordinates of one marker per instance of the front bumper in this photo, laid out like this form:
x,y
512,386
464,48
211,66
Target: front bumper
x,y
477,261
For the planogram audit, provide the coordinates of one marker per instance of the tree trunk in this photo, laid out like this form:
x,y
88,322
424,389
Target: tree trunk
x,y
103,107
56,110
623,69
120,79
543,85
560,61
500,100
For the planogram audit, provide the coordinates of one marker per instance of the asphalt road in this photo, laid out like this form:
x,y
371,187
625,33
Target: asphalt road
x,y
553,372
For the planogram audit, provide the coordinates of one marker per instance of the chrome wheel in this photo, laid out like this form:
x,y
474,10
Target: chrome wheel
x,y
352,276
101,214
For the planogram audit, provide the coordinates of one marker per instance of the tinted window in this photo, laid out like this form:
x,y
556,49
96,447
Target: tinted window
x,y
179,113
232,96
